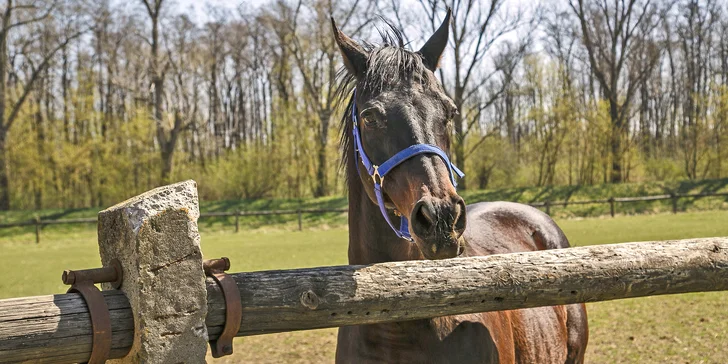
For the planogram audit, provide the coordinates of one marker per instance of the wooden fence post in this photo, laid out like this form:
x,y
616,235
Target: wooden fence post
x,y
155,237
300,222
548,207
674,203
611,206
37,229
237,220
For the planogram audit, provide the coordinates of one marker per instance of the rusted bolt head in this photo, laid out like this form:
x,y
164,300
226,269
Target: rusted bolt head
x,y
116,265
68,277
227,263
216,265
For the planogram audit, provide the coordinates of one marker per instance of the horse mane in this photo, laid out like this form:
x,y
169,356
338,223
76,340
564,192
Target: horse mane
x,y
388,64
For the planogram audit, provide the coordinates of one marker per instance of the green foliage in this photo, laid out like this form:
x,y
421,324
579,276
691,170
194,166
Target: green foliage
x,y
241,174
565,139
559,137
662,169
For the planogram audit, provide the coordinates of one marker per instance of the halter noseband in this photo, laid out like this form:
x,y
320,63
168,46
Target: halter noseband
x,y
378,172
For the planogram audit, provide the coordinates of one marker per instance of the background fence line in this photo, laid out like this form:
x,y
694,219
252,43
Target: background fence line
x,y
38,222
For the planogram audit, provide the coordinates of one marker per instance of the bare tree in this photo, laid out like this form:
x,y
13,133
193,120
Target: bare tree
x,y
476,27
16,16
169,129
695,36
614,34
315,55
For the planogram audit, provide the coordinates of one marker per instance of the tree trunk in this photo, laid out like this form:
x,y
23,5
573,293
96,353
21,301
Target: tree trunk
x,y
321,175
459,142
4,181
616,143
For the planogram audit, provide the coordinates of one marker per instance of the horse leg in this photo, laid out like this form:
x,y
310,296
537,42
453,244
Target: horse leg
x,y
576,320
578,327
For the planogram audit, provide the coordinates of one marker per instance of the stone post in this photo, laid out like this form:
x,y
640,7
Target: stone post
x,y
155,237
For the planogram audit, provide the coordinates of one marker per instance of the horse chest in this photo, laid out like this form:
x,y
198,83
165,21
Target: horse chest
x,y
453,339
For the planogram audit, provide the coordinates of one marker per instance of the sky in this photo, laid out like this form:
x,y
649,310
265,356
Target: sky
x,y
196,7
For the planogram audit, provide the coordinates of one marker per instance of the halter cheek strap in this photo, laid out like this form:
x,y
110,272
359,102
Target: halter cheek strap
x,y
378,172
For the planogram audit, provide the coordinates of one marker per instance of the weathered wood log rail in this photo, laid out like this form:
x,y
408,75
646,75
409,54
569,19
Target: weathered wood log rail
x,y
57,329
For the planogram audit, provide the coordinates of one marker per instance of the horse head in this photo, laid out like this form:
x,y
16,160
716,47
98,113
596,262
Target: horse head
x,y
399,119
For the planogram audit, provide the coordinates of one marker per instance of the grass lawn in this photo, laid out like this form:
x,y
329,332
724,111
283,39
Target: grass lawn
x,y
668,329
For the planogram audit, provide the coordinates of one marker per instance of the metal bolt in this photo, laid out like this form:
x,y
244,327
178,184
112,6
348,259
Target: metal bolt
x,y
111,274
216,265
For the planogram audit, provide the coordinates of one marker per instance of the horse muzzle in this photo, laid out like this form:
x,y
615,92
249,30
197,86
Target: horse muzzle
x,y
437,224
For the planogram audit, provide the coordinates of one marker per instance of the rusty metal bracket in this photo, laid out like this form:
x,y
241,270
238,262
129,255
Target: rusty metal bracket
x,y
216,268
82,282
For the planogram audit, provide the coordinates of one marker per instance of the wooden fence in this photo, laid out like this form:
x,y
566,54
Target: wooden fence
x,y
38,223
612,201
304,299
150,248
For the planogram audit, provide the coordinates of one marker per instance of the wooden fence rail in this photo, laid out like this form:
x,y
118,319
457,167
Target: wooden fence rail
x,y
56,329
546,205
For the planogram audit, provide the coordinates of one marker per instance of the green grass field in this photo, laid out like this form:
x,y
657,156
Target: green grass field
x,y
690,328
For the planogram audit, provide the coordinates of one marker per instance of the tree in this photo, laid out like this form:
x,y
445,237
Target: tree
x,y
168,132
315,55
695,38
15,16
476,27
614,33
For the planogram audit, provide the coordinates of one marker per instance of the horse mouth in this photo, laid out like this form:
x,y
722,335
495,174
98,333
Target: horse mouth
x,y
438,250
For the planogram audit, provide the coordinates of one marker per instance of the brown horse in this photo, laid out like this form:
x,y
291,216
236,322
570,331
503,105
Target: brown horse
x,y
398,104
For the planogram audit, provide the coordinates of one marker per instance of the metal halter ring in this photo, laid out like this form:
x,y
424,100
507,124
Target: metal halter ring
x,y
376,175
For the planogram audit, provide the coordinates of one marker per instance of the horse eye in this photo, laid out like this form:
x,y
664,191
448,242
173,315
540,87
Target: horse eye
x,y
369,117
452,113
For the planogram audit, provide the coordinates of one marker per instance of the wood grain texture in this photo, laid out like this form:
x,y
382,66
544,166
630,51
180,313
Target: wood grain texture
x,y
57,328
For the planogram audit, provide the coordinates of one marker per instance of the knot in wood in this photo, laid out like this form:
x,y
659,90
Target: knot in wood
x,y
716,247
504,277
309,299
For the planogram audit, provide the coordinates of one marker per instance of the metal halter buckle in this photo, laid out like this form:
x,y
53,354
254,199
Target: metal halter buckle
x,y
376,175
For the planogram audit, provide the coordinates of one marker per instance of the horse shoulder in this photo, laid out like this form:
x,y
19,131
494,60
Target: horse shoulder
x,y
507,227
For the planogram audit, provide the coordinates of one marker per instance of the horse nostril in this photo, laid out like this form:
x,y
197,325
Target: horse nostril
x,y
423,217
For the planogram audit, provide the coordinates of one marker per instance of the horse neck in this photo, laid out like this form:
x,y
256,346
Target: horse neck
x,y
371,240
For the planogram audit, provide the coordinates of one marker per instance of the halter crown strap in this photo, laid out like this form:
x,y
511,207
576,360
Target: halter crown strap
x,y
377,173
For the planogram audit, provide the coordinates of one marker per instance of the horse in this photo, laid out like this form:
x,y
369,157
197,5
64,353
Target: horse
x,y
399,116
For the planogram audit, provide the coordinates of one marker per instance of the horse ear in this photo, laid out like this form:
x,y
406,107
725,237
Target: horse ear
x,y
355,57
432,50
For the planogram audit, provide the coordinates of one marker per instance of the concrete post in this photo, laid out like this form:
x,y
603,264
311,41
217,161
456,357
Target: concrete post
x,y
155,237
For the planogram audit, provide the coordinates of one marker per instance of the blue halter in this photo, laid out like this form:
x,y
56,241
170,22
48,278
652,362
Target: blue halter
x,y
378,172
